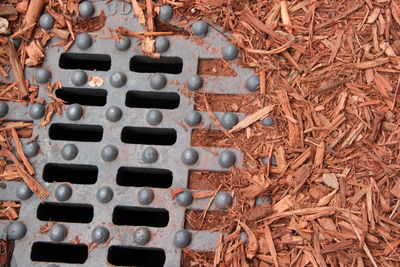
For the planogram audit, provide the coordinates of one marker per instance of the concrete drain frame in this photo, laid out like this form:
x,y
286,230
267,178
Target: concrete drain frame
x,y
100,160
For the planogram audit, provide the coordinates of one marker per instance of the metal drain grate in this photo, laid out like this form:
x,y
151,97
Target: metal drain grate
x,y
111,159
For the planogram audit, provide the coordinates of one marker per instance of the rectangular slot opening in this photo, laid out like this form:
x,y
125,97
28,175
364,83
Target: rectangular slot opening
x,y
76,132
53,252
148,136
9,210
65,212
145,64
135,216
161,100
139,177
83,96
133,256
84,61
70,173
215,67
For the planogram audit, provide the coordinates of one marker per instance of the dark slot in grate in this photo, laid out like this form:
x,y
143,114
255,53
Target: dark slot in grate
x,y
139,99
52,252
65,212
70,173
131,256
83,96
148,136
99,62
76,132
124,215
138,177
144,64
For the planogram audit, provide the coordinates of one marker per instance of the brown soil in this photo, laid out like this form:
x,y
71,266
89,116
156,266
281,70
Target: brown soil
x,y
247,103
192,258
215,67
9,210
213,221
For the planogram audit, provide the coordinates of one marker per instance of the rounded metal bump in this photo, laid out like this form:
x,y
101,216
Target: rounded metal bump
x,y
166,12
46,21
36,111
42,76
262,199
86,9
230,52
162,44
16,230
83,41
268,121
266,161
63,192
229,120
184,198
69,152
243,236
149,155
154,117
3,109
223,200
58,232
23,192
226,159
79,77
100,234
158,81
145,196
142,236
74,112
189,156
31,149
182,238
200,28
118,79
104,194
193,118
194,83
113,114
252,83
109,153
123,43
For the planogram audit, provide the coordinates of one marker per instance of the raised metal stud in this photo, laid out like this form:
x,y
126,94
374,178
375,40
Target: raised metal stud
x,y
113,114
46,21
182,238
123,43
145,196
16,230
193,118
149,155
69,151
262,199
31,149
104,194
230,52
229,120
158,81
83,41
23,192
3,109
189,156
194,83
63,192
268,121
154,117
36,111
223,200
226,159
118,79
86,9
74,112
100,234
162,44
79,77
166,12
266,161
109,153
42,76
58,232
184,198
252,83
200,28
243,236
142,236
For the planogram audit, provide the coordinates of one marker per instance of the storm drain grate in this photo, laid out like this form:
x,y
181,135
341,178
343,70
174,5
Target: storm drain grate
x,y
111,160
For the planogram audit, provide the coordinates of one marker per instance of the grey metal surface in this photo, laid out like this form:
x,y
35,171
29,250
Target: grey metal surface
x,y
105,194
